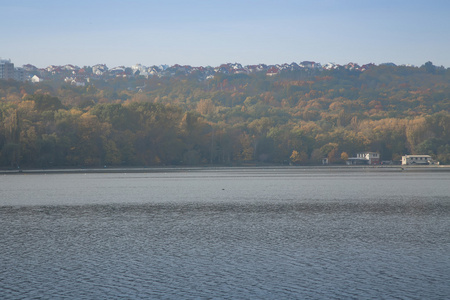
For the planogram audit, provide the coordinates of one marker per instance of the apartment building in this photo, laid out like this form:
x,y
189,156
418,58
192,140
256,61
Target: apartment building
x,y
6,69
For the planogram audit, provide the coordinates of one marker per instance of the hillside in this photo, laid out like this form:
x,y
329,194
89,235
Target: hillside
x,y
289,115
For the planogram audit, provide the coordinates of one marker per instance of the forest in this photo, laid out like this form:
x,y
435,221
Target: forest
x,y
295,117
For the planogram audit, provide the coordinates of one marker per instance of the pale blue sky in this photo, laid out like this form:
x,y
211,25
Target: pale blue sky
x,y
209,32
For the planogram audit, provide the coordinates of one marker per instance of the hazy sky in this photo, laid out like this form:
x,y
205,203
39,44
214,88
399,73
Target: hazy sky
x,y
209,32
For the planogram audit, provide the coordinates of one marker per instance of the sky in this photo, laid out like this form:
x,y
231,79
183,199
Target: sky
x,y
210,32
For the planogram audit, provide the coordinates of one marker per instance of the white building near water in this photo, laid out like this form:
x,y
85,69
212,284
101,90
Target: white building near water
x,y
364,158
417,160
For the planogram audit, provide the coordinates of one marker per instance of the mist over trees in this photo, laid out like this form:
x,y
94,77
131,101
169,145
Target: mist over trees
x,y
294,117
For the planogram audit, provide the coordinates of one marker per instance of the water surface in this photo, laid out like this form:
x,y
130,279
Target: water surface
x,y
229,233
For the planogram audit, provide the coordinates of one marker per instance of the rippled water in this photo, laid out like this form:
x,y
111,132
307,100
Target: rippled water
x,y
232,233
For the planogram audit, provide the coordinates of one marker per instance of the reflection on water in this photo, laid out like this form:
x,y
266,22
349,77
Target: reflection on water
x,y
220,242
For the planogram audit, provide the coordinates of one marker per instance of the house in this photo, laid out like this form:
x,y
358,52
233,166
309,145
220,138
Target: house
x,y
272,71
36,79
99,69
364,158
78,82
29,68
417,160
331,66
307,64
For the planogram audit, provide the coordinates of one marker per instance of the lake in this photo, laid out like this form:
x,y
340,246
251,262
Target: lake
x,y
231,233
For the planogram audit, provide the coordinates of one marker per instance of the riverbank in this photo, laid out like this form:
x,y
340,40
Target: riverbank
x,y
391,168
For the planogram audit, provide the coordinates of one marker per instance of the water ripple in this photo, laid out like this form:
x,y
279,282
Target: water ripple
x,y
257,237
202,250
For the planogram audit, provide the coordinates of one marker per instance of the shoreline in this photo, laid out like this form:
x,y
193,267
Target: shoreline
x,y
377,168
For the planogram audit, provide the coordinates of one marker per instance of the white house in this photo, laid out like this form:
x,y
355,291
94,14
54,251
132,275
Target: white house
x,y
417,160
36,79
99,69
364,158
78,82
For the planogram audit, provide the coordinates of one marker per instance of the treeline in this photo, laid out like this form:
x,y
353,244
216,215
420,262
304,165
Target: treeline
x,y
295,117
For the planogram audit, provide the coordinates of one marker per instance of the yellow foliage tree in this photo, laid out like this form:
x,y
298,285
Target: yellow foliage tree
x,y
298,157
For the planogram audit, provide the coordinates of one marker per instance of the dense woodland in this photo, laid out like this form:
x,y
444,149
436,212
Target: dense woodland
x,y
295,117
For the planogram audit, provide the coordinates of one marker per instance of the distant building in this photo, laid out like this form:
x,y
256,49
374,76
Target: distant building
x,y
99,69
19,74
417,160
78,82
364,158
330,66
6,69
29,68
140,70
307,64
36,79
272,71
